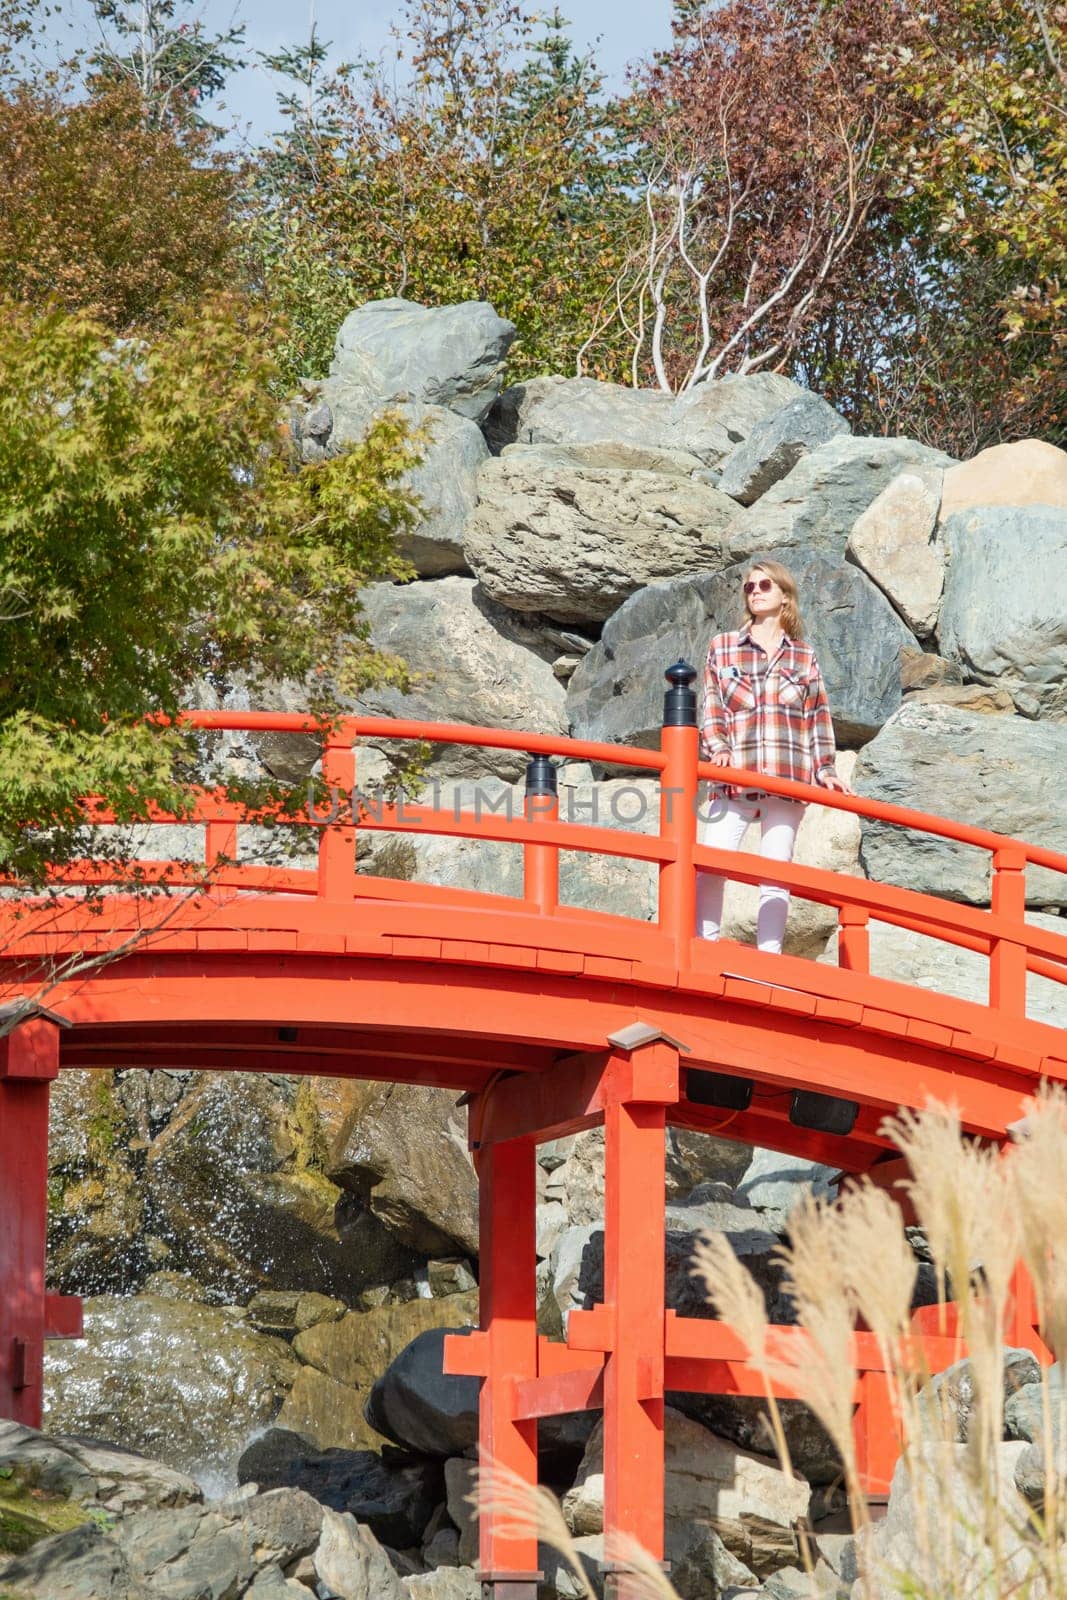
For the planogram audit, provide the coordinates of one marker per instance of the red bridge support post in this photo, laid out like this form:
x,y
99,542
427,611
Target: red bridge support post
x,y
508,1305
29,1060
634,1286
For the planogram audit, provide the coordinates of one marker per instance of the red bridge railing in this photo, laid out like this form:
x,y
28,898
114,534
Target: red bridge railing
x,y
1013,946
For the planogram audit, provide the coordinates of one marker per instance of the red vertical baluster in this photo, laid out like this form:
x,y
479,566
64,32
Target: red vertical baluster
x,y
1007,960
680,744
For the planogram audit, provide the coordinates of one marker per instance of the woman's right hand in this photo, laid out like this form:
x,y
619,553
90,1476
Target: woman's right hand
x,y
720,758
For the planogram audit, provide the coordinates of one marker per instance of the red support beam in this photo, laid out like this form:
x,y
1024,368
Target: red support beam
x,y
634,1288
29,1060
507,1350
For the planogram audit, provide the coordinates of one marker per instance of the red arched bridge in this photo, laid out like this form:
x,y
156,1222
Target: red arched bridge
x,y
552,1019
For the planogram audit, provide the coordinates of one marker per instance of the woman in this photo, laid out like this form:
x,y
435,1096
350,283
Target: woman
x,y
765,708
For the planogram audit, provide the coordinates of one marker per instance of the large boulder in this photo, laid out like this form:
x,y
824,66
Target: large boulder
x,y
449,356
446,484
1028,473
236,1196
934,1528
817,503
476,663
913,958
185,1383
752,1505
402,1150
707,421
444,481
997,772
417,1404
616,693
83,1471
893,541
559,533
1004,617
776,444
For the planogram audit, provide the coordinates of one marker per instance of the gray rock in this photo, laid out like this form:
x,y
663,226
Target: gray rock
x,y
1002,773
553,535
775,1182
285,1524
921,669
932,1530
351,1562
893,541
194,1554
776,444
912,958
290,1311
417,1404
695,1158
395,1502
85,1470
402,1150
459,1487
947,1404
1024,1407
712,418
478,663
445,356
558,410
272,1584
1025,1419
185,1383
745,1422
1004,617
616,693
445,482
84,1564
701,1565
816,505
444,1583
576,1267
706,422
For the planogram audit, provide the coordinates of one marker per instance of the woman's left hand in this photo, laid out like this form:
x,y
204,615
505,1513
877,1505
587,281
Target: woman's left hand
x,y
837,785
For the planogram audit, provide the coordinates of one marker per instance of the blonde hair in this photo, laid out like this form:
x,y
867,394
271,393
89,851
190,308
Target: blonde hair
x,y
785,580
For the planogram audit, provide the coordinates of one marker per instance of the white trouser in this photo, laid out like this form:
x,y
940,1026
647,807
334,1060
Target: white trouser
x,y
722,828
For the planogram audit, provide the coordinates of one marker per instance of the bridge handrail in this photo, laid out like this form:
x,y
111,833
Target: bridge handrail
x,y
346,732
1014,946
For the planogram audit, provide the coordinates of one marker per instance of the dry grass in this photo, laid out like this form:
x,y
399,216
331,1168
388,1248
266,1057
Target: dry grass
x,y
961,1530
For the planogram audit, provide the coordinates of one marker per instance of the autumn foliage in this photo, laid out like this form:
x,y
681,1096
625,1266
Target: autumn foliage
x,y
105,214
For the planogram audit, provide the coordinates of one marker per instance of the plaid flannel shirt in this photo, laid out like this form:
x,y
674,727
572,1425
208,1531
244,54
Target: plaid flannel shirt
x,y
772,715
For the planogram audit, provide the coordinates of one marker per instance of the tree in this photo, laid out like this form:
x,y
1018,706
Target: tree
x,y
156,532
989,80
174,66
486,169
105,214
763,139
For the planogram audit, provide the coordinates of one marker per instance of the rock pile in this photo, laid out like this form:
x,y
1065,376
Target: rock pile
x,y
274,1263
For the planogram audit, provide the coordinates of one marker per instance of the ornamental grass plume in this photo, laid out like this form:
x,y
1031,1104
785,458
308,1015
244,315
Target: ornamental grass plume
x,y
972,1517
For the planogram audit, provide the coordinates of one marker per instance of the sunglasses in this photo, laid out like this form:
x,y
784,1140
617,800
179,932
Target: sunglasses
x,y
763,585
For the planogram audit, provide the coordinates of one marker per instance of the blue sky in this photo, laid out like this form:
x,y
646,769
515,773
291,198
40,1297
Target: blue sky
x,y
619,31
